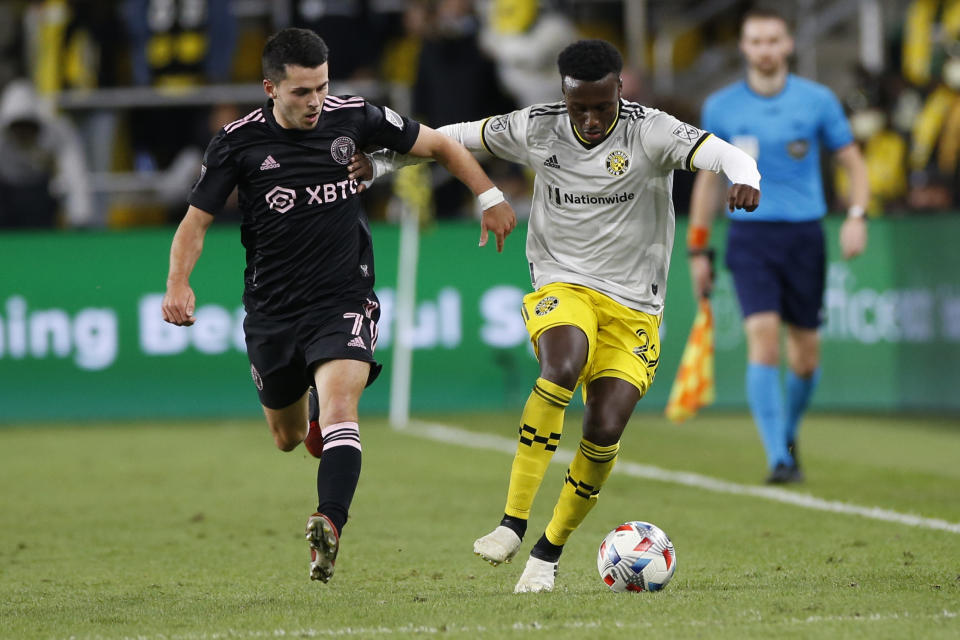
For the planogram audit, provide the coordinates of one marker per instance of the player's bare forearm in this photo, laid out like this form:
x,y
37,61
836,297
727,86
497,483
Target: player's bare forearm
x,y
853,232
179,301
454,157
703,198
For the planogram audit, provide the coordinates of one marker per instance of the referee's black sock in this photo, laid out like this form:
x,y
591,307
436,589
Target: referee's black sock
x,y
337,477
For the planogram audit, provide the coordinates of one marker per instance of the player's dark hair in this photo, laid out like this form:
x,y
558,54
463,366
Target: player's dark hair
x,y
764,13
589,60
300,47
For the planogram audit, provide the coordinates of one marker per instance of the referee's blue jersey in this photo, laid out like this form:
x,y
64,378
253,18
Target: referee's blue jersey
x,y
783,133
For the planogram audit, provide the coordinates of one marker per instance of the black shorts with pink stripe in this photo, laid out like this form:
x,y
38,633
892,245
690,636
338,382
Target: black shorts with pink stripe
x,y
285,351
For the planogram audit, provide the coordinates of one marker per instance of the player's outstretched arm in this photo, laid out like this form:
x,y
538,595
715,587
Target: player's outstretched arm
x,y
498,216
718,155
179,301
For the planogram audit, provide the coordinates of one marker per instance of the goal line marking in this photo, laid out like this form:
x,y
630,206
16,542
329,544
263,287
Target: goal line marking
x,y
474,440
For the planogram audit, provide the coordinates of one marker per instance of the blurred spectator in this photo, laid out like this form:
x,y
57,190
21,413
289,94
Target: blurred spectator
x,y
524,38
11,42
43,179
355,30
456,82
176,44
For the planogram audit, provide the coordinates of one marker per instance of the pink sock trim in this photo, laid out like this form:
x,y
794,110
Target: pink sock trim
x,y
341,434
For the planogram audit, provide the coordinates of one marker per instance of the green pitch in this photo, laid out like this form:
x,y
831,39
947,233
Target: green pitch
x,y
194,531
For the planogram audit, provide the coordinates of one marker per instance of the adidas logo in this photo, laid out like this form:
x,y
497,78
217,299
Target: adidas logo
x,y
552,162
357,342
269,163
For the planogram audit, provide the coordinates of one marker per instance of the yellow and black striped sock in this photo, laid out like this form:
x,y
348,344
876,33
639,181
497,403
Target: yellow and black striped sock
x,y
540,429
588,472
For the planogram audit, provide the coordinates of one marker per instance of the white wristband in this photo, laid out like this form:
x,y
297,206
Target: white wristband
x,y
855,211
490,198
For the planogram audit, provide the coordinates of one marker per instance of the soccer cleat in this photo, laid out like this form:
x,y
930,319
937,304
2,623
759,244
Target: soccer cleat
x,y
537,576
500,545
785,474
324,544
314,440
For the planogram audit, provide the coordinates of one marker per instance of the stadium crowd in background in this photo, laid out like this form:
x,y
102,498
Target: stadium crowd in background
x,y
441,61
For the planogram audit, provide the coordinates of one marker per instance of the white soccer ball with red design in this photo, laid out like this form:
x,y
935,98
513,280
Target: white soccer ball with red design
x,y
636,556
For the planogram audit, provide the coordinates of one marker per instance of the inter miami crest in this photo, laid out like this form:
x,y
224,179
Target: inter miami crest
x,y
546,305
617,163
342,148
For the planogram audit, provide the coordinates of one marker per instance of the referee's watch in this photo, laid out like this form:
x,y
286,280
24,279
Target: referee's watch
x,y
856,211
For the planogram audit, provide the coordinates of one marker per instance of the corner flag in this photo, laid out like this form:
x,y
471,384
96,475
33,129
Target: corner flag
x,y
693,388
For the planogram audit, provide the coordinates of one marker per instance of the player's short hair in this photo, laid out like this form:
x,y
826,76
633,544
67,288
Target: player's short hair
x,y
764,13
300,47
589,60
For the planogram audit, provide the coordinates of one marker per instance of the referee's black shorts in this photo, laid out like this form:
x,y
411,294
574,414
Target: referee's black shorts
x,y
284,352
779,266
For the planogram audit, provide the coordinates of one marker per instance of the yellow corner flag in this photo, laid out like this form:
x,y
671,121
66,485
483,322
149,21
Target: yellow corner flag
x,y
693,388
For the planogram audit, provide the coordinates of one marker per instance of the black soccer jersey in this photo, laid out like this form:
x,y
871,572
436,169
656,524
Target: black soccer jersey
x,y
306,236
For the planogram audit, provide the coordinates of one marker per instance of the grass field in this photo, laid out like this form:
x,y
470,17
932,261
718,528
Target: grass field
x,y
193,531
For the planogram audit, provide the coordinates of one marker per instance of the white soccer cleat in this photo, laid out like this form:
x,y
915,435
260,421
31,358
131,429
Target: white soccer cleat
x,y
500,545
537,576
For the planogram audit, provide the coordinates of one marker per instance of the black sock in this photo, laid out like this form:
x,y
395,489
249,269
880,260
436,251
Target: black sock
x,y
546,550
518,525
337,478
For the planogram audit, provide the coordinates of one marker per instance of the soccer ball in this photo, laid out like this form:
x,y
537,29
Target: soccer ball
x,y
636,556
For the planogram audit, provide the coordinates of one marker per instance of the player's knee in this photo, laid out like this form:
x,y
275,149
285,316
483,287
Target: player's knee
x,y
603,434
288,439
564,373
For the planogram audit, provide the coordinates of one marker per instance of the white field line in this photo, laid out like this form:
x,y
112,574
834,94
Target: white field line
x,y
474,440
499,630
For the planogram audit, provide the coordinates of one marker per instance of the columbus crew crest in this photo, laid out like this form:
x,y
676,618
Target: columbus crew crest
x,y
546,305
617,163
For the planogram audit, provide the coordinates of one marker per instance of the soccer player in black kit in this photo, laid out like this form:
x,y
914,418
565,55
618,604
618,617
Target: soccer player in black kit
x,y
308,284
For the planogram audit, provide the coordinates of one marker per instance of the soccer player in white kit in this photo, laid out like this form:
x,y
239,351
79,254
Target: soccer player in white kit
x,y
599,241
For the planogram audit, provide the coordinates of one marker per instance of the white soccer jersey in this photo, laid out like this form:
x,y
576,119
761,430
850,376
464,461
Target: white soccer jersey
x,y
602,215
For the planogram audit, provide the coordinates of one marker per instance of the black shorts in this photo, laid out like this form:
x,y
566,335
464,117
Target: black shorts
x,y
284,352
779,266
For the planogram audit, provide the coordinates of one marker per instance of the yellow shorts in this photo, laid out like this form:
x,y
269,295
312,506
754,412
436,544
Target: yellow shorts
x,y
624,343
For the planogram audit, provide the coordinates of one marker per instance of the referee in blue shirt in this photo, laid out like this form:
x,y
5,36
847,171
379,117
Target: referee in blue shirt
x,y
776,254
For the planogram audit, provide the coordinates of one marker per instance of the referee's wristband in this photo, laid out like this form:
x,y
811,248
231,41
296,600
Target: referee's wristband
x,y
490,198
